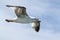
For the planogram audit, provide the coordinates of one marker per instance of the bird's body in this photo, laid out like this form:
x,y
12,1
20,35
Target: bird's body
x,y
25,20
22,17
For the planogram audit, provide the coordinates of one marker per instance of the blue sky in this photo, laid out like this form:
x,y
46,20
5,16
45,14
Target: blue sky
x,y
48,11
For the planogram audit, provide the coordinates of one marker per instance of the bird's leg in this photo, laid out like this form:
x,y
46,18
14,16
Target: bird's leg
x,y
9,20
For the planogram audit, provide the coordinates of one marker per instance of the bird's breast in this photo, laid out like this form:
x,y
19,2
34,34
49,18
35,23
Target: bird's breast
x,y
24,20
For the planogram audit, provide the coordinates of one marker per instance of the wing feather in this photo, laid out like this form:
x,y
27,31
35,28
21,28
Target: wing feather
x,y
36,26
20,11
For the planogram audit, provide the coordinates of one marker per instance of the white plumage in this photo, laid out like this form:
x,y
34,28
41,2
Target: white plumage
x,y
22,17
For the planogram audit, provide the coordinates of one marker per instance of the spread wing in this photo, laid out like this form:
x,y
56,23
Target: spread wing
x,y
36,26
20,11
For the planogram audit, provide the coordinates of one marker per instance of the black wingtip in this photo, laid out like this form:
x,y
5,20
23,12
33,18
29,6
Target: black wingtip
x,y
37,29
7,5
6,20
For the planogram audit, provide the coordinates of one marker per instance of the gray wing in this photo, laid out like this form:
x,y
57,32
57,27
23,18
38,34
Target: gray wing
x,y
36,26
20,11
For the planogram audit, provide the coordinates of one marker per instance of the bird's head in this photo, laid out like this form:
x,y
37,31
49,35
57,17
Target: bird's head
x,y
36,19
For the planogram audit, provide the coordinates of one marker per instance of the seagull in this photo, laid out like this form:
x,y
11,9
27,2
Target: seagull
x,y
22,17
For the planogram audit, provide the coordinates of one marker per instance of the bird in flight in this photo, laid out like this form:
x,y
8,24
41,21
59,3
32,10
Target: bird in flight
x,y
22,17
